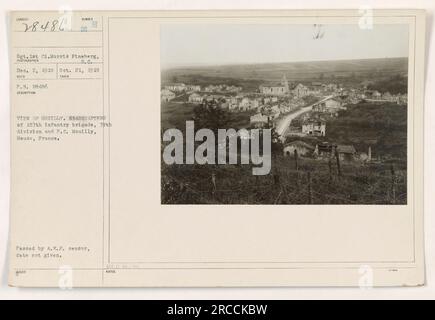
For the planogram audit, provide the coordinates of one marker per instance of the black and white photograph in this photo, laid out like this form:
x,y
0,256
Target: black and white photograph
x,y
204,151
284,113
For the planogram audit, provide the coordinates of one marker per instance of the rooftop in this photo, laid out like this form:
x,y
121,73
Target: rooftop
x,y
346,149
299,143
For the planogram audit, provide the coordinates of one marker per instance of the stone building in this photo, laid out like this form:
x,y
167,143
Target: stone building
x,y
313,127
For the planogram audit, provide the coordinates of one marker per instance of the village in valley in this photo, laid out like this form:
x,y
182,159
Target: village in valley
x,y
293,110
337,140
333,97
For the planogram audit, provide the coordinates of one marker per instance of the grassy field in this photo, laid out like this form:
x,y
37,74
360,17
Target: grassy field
x,y
312,183
381,126
249,85
175,115
394,85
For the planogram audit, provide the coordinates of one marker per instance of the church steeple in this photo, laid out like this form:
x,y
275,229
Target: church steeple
x,y
284,82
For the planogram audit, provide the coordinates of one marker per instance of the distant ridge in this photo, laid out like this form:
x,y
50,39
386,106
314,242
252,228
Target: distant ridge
x,y
195,66
295,70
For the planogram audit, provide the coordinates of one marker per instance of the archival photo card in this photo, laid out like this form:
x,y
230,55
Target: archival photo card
x,y
217,148
298,114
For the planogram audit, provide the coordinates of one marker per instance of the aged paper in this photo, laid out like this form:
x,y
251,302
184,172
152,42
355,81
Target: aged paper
x,y
217,148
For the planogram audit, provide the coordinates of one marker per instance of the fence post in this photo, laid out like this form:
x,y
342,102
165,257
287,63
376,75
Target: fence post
x,y
310,196
393,185
182,190
297,181
213,182
286,193
330,170
279,196
337,156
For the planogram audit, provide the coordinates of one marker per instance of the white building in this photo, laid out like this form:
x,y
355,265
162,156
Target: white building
x,y
301,91
176,87
193,87
314,128
166,95
195,98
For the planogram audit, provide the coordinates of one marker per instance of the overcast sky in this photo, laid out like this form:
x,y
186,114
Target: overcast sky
x,y
218,44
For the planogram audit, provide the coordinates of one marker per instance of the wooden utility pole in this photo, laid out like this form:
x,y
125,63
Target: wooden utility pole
x,y
337,156
330,169
297,180
296,160
310,196
393,185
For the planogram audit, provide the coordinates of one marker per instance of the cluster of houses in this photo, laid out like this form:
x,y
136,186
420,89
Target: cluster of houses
x,y
271,100
222,88
263,104
280,98
313,123
355,95
313,127
280,89
283,88
266,107
271,109
181,87
376,96
167,95
300,90
326,150
170,91
275,99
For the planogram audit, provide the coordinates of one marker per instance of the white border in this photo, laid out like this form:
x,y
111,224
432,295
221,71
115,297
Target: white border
x,y
281,293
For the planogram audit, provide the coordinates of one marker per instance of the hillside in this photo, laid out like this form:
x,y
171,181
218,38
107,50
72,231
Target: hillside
x,y
312,183
383,127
